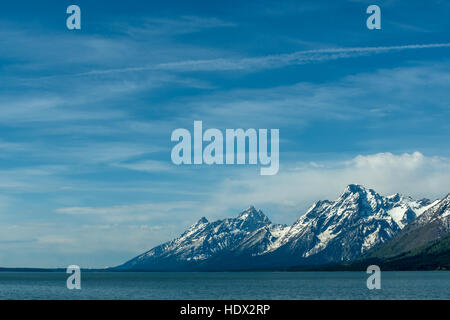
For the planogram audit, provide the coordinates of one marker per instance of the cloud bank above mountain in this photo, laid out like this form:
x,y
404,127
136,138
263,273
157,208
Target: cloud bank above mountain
x,y
295,188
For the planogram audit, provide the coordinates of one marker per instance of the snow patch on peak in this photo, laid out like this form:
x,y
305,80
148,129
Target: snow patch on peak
x,y
395,197
353,189
254,215
202,221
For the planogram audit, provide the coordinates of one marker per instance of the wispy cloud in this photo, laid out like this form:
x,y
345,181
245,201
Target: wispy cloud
x,y
88,245
170,27
268,62
134,212
393,94
147,166
282,60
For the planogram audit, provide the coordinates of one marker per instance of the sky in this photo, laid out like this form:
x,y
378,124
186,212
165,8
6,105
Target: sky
x,y
86,115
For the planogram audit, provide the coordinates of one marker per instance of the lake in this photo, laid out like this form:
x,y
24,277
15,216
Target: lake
x,y
226,285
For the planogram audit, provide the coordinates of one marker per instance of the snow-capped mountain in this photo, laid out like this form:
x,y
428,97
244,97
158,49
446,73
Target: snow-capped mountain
x,y
250,231
433,224
330,231
439,213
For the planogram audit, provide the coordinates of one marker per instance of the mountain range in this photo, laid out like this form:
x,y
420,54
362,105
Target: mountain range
x,y
360,224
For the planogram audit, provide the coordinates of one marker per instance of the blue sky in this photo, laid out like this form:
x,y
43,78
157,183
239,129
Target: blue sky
x,y
86,116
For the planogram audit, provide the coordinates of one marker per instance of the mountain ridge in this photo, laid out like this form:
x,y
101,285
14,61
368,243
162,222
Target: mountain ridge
x,y
430,226
329,232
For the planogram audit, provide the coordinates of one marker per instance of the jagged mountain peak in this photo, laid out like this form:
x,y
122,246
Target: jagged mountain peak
x,y
252,214
402,209
447,198
359,198
202,220
396,197
431,225
353,195
440,210
355,188
199,224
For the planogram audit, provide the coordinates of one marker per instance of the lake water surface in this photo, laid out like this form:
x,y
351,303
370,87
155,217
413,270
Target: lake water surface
x,y
226,285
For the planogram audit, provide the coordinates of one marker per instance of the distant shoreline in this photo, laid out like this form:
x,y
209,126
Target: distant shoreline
x,y
334,268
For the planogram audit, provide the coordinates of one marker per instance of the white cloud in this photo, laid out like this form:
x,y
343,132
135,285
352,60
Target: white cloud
x,y
283,60
147,166
52,239
289,193
167,27
134,212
